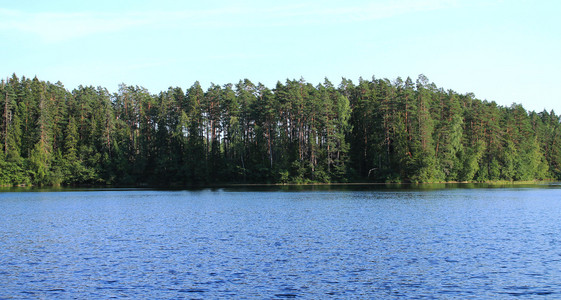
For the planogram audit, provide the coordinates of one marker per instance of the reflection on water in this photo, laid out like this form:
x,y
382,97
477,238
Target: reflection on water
x,y
282,242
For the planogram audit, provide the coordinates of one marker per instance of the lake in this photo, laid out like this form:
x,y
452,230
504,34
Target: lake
x,y
278,243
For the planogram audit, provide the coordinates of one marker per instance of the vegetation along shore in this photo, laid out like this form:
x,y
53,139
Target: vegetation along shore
x,y
374,130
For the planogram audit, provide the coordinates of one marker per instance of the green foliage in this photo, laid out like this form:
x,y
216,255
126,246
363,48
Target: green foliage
x,y
472,157
494,170
376,130
40,163
510,161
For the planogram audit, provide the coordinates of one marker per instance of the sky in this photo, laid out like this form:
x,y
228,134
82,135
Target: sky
x,y
502,51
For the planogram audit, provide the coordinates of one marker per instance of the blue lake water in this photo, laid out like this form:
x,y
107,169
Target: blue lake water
x,y
278,244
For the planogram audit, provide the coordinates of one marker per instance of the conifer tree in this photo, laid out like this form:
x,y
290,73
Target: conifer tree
x,y
378,130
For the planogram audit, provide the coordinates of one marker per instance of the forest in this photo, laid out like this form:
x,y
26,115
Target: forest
x,y
372,131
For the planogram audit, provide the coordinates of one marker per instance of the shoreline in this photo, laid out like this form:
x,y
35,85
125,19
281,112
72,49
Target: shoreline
x,y
279,185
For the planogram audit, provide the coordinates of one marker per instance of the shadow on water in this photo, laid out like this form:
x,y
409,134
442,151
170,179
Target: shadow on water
x,y
303,187
388,186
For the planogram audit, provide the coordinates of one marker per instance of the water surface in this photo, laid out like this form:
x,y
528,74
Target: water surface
x,y
321,243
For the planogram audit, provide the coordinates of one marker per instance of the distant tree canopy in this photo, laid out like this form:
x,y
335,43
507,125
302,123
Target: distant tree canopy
x,y
373,131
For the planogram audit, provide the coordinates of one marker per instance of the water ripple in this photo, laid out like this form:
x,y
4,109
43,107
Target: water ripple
x,y
366,244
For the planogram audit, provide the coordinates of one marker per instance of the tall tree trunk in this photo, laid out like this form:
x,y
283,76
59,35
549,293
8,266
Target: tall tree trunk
x,y
6,124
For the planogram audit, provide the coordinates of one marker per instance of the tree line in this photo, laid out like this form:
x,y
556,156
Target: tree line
x,y
374,131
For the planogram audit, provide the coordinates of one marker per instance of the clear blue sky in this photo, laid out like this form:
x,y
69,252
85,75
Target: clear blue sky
x,y
505,51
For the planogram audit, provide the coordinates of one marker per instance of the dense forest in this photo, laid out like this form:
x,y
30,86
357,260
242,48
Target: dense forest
x,y
373,131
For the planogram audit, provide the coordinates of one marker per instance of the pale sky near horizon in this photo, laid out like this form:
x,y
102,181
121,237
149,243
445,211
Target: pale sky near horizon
x,y
503,51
